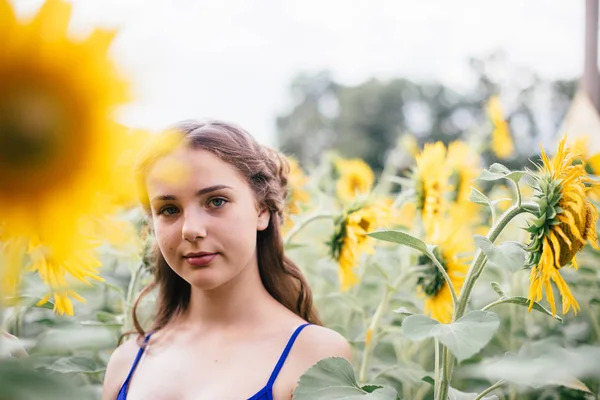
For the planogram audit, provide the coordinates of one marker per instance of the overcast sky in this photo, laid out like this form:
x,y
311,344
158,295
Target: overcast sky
x,y
234,59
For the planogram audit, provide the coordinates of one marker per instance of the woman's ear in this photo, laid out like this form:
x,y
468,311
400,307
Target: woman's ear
x,y
263,219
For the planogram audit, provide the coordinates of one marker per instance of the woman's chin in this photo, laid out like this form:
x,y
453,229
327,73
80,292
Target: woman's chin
x,y
206,279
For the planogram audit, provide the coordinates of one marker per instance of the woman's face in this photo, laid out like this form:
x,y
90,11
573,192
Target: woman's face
x,y
205,217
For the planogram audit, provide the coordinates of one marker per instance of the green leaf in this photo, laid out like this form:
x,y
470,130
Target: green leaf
x,y
464,338
65,341
292,246
18,381
75,365
371,388
524,302
541,363
498,171
497,289
402,372
574,383
479,198
429,380
403,311
508,255
333,379
401,238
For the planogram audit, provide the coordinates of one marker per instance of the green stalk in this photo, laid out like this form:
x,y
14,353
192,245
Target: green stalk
x,y
372,328
490,389
473,274
297,228
436,377
376,319
131,292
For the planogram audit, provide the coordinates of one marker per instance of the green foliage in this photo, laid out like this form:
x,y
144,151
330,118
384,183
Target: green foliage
x,y
333,379
464,338
509,255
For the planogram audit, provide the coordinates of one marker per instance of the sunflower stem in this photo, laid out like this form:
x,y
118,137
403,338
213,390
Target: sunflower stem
x,y
495,303
479,260
490,389
131,292
447,364
473,274
519,197
436,376
375,321
303,223
371,332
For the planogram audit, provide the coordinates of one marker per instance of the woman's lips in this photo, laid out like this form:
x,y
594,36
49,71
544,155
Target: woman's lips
x,y
201,261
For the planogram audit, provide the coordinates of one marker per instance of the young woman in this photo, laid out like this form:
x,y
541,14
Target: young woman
x,y
235,318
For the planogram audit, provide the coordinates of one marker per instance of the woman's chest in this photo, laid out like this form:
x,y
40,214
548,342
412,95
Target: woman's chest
x,y
235,373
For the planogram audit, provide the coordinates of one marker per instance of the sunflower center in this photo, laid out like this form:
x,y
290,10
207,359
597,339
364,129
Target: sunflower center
x,y
40,145
582,220
420,194
31,124
430,278
364,224
355,184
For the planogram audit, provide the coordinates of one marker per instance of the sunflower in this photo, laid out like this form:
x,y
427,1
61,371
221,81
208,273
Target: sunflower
x,y
296,195
350,239
58,147
502,143
464,166
591,161
355,178
452,240
431,180
12,254
566,220
56,264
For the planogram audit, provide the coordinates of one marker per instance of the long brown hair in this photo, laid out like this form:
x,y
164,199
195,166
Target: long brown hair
x,y
266,171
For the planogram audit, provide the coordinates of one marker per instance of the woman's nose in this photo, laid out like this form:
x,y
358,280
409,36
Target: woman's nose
x,y
194,226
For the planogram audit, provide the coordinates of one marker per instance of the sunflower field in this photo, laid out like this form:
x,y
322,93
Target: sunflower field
x,y
451,279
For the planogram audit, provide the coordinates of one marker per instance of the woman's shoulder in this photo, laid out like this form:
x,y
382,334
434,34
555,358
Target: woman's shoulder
x,y
317,342
118,367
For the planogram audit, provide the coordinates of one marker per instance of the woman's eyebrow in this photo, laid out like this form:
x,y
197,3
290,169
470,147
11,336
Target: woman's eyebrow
x,y
212,189
200,192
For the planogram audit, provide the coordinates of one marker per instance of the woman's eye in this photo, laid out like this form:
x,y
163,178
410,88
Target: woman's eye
x,y
169,210
217,202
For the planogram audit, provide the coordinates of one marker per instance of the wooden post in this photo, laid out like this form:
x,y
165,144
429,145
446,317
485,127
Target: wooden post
x,y
590,82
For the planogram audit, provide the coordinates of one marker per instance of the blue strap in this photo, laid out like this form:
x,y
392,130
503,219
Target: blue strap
x,y
284,355
135,363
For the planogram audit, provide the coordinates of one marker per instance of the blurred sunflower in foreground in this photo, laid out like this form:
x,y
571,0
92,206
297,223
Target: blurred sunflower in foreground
x,y
566,220
453,241
60,154
502,143
350,238
355,178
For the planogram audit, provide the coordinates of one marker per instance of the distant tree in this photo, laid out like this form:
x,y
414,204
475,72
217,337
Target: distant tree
x,y
366,120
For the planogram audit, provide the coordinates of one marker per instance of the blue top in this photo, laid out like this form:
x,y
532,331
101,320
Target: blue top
x,y
266,393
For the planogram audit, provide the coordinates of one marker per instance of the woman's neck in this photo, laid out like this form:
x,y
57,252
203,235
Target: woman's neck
x,y
240,302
